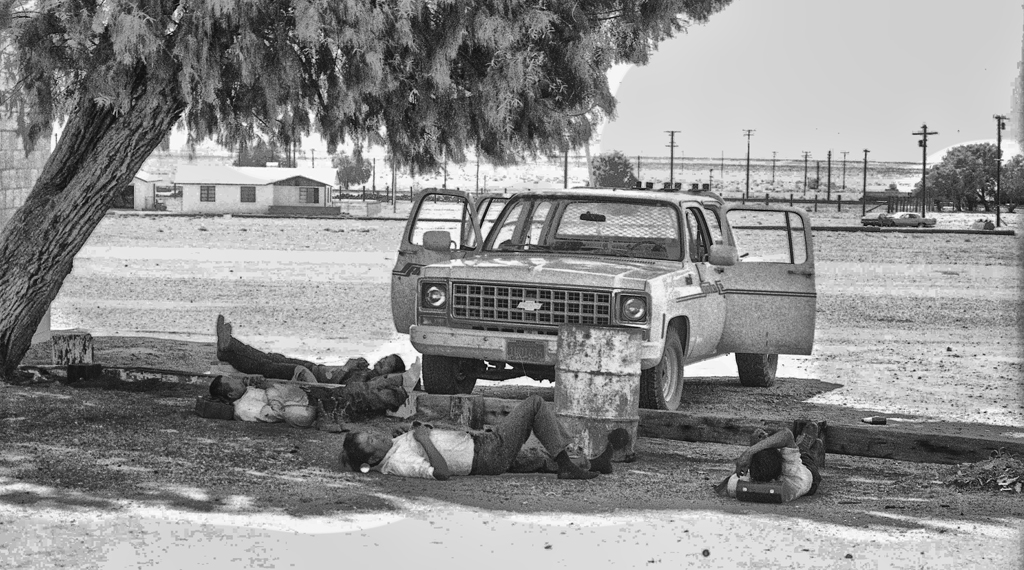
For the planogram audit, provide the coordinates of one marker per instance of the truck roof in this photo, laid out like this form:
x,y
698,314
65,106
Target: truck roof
x,y
702,196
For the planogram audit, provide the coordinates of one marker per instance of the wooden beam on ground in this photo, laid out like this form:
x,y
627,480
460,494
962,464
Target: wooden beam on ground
x,y
891,441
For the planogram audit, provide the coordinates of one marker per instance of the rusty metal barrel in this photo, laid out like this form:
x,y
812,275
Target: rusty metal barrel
x,y
597,386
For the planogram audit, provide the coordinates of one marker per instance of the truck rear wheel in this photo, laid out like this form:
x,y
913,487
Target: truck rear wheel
x,y
661,387
757,370
450,375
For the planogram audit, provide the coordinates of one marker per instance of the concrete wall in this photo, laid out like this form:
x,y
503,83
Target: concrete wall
x,y
229,200
18,173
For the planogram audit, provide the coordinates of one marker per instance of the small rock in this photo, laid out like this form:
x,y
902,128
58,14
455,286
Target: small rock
x,y
850,556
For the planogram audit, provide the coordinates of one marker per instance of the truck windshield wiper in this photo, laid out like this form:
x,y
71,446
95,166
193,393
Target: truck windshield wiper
x,y
523,247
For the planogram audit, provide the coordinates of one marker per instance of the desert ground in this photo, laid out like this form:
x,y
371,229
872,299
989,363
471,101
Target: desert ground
x,y
924,328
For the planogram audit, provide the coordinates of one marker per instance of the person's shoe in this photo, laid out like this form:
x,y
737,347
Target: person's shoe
x,y
569,470
223,335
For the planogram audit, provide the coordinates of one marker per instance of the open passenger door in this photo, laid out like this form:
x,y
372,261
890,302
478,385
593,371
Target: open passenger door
x,y
770,294
433,211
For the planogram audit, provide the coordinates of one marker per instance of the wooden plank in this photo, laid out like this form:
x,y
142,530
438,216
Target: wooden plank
x,y
885,442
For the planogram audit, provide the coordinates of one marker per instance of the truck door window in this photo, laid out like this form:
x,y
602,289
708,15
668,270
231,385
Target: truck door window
x,y
507,229
452,214
491,208
697,232
714,225
774,237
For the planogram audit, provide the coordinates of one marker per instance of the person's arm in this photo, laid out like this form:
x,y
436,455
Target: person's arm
x,y
778,440
441,471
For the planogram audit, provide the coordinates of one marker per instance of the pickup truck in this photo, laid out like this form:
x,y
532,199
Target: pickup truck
x,y
482,285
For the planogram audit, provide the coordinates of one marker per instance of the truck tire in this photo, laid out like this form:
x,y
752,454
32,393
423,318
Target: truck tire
x,y
757,370
661,387
449,375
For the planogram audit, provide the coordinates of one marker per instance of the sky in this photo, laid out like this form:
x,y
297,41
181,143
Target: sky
x,y
815,75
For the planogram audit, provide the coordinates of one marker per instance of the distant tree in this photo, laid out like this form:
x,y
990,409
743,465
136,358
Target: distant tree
x,y
1012,188
351,170
613,169
260,153
425,79
965,177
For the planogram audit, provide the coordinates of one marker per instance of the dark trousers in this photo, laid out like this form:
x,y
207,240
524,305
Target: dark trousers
x,y
495,450
808,452
249,360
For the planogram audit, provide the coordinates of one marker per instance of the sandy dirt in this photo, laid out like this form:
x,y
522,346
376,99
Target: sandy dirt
x,y
922,327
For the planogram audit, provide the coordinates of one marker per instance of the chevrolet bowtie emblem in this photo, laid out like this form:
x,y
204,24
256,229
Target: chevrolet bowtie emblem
x,y
529,305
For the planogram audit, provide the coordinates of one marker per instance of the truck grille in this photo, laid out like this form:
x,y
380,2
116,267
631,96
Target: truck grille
x,y
529,304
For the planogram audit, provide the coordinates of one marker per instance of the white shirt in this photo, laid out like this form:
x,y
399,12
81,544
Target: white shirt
x,y
407,457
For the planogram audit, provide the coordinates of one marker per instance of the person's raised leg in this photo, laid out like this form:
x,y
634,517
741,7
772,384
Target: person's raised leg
x,y
533,415
249,360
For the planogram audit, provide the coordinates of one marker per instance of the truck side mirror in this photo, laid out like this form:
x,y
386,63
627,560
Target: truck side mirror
x,y
437,240
723,255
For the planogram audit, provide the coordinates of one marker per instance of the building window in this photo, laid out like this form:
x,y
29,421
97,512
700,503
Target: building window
x,y
309,195
207,193
248,193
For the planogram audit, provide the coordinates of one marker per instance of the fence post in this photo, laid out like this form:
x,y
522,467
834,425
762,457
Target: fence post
x,y
815,202
839,206
765,198
790,199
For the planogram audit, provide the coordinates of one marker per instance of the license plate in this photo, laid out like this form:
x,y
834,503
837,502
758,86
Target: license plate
x,y
525,351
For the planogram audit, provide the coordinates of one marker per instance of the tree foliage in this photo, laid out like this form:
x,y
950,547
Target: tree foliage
x,y
966,177
427,79
613,170
260,153
351,170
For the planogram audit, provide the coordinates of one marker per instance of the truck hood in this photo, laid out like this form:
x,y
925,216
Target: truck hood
x,y
566,271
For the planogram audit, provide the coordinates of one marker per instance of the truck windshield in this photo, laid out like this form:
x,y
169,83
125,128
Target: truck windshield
x,y
589,227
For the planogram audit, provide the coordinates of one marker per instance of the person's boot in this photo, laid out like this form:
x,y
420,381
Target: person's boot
x,y
223,336
618,439
569,470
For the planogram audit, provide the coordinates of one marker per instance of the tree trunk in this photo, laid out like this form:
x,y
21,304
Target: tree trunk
x,y
98,153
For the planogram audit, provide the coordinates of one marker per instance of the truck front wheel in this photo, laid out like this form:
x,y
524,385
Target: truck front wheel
x,y
661,387
757,370
449,375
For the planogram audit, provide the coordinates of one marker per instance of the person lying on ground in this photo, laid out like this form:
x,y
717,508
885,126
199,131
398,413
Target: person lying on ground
x,y
280,402
249,360
362,399
793,463
442,453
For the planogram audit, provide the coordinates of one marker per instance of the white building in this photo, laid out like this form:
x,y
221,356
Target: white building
x,y
255,190
140,194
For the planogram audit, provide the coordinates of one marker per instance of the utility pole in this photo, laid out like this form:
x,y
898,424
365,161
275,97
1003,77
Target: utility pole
x,y
565,170
923,143
747,133
721,171
672,155
773,169
864,197
638,168
807,155
1000,127
373,178
828,186
817,174
844,168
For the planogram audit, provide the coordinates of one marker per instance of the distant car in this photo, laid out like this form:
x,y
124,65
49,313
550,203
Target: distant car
x,y
876,219
908,220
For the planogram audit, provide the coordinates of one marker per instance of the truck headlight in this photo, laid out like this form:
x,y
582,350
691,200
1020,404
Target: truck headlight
x,y
435,295
634,309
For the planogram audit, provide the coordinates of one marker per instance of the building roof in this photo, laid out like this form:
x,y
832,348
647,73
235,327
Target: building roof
x,y
147,177
255,175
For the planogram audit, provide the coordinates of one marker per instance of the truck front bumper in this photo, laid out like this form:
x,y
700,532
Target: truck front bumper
x,y
504,347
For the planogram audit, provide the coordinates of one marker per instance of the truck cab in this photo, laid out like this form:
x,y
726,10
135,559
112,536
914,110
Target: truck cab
x,y
482,285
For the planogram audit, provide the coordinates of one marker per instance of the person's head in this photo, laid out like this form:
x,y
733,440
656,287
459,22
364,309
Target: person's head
x,y
389,364
766,465
227,389
364,447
